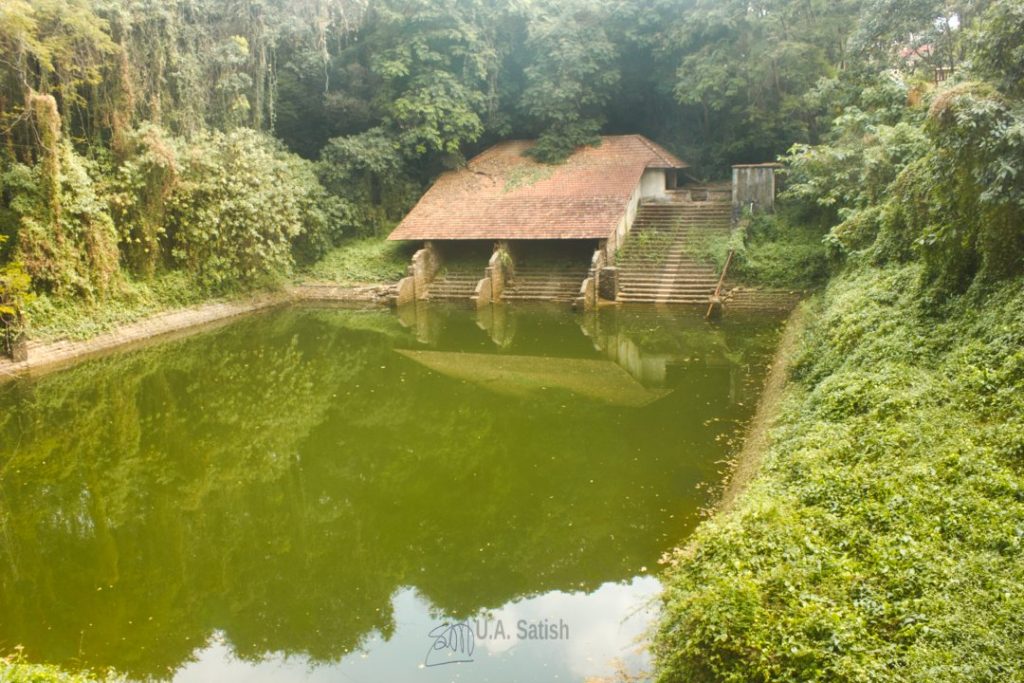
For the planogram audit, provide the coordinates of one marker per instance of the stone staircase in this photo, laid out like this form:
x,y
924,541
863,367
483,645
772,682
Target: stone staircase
x,y
546,282
658,262
455,283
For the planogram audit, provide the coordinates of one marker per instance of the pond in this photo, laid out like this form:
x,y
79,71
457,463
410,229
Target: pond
x,y
335,494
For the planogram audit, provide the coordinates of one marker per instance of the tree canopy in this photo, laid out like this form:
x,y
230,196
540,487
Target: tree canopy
x,y
113,113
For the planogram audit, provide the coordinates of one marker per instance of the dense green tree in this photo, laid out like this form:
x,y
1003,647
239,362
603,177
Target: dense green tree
x,y
998,47
571,76
388,94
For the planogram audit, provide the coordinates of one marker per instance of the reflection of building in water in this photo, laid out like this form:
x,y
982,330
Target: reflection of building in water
x,y
523,376
622,357
655,351
499,324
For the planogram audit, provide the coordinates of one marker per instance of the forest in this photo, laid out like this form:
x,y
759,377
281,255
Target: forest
x,y
158,153
146,145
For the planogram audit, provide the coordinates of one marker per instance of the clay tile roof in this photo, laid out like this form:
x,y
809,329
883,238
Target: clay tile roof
x,y
502,194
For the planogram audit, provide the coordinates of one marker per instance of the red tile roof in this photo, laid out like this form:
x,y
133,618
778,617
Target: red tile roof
x,y
502,194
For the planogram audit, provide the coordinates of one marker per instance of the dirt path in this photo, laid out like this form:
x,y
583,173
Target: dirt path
x,y
45,356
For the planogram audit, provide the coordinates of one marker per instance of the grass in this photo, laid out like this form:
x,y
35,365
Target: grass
x,y
50,318
360,261
53,318
771,250
882,538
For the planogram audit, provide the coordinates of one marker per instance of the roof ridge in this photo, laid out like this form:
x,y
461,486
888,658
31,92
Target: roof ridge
x,y
661,153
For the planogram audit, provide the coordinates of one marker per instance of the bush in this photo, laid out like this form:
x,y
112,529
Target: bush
x,y
240,204
14,296
368,173
66,239
15,669
368,260
780,252
881,540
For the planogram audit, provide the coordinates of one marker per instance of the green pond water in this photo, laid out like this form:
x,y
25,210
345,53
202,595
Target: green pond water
x,y
313,493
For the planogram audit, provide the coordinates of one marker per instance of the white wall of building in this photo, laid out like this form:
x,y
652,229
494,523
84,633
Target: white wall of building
x,y
625,223
652,184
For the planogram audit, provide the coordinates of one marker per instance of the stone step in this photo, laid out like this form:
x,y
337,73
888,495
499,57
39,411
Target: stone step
x,y
658,267
669,291
669,294
542,294
652,233
522,297
675,302
519,275
691,232
683,208
657,262
670,271
652,296
692,226
667,281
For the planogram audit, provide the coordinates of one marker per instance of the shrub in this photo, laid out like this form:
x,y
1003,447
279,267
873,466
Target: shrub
x,y
881,540
65,238
239,205
780,252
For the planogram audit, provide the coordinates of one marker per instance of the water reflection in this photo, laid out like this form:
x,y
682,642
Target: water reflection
x,y
304,484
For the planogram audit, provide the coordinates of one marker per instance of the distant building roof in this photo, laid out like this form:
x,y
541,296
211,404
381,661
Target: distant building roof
x,y
502,194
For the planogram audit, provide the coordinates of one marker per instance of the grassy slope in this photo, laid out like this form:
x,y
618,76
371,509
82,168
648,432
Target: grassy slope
x,y
882,539
361,261
354,262
51,318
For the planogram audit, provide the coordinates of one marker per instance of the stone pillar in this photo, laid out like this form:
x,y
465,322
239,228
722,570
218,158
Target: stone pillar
x,y
499,269
406,291
482,293
425,264
588,295
608,283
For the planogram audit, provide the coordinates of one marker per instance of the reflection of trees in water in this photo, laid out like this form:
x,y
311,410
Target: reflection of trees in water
x,y
280,479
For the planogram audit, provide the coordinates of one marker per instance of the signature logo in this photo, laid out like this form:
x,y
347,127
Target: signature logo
x,y
453,644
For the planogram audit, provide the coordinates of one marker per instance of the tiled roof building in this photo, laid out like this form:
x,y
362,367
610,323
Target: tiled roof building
x,y
503,195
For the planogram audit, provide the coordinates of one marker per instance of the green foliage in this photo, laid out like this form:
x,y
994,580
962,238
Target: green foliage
x,y
946,188
772,250
960,205
362,261
742,72
240,203
140,188
15,295
864,152
881,540
49,46
65,237
433,60
15,669
368,172
571,77
998,47
54,318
